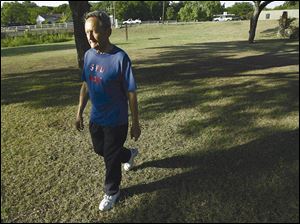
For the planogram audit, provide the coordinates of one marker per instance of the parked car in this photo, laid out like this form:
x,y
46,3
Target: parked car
x,y
131,21
225,17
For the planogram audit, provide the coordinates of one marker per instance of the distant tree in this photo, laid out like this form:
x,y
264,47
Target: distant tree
x,y
200,10
191,11
258,7
176,6
133,9
79,9
13,13
288,5
45,10
154,8
185,13
106,6
33,11
144,10
212,7
29,4
65,10
170,13
61,9
141,10
242,9
65,17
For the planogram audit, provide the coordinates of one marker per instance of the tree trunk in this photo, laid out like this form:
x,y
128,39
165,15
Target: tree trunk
x,y
258,7
79,9
253,25
163,12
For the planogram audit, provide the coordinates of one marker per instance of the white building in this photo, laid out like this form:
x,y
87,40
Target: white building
x,y
276,14
40,20
48,18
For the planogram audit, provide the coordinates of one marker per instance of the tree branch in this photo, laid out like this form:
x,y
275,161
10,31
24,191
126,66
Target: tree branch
x,y
264,4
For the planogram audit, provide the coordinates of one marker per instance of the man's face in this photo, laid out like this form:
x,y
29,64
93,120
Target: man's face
x,y
96,35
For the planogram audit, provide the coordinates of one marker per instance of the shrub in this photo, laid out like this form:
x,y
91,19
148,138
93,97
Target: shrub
x,y
286,27
29,39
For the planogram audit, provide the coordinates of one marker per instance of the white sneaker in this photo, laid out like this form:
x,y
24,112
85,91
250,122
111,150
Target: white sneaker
x,y
127,166
108,201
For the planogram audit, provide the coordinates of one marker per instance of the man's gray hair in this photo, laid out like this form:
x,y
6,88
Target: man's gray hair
x,y
101,17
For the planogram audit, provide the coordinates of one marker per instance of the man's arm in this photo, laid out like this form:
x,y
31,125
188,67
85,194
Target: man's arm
x,y
83,99
135,130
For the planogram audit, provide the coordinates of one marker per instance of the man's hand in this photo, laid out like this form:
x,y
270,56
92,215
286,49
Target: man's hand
x,y
135,131
79,123
83,99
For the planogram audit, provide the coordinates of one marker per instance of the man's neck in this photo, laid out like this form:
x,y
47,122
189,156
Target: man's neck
x,y
105,49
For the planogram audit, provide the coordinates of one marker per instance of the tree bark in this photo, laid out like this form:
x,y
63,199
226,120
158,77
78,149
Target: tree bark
x,y
163,12
79,9
258,7
253,25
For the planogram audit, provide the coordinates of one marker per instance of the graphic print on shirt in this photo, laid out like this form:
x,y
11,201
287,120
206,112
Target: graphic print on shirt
x,y
93,75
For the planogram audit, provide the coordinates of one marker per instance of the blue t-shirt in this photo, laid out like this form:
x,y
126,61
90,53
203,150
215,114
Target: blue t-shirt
x,y
109,77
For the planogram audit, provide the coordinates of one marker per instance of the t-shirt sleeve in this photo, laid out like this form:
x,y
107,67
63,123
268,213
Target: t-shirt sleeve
x,y
83,76
129,81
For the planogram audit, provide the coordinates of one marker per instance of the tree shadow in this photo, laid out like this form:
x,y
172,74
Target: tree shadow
x,y
242,96
212,60
21,50
270,32
257,181
185,65
249,100
46,88
190,67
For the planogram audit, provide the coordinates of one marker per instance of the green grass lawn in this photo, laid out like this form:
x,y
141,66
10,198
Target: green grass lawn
x,y
220,129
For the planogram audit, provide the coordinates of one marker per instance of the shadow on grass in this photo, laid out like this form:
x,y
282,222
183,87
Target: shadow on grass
x,y
214,60
47,88
36,49
254,182
192,66
187,64
278,100
270,32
